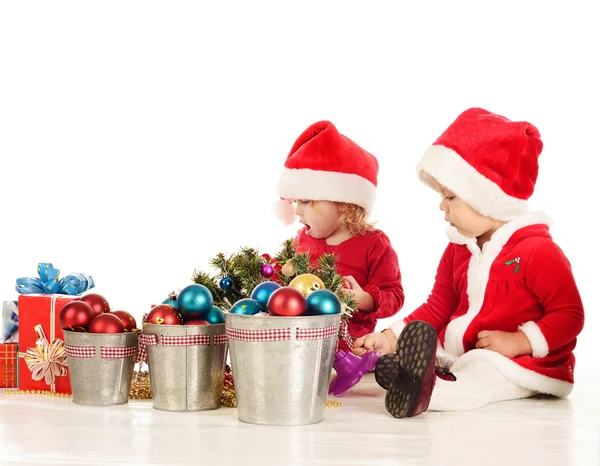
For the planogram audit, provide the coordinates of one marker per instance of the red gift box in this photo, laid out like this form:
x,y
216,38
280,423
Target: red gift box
x,y
42,357
8,365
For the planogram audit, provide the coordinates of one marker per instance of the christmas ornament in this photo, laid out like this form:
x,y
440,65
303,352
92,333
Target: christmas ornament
x,y
141,388
267,270
215,316
76,316
129,323
195,299
263,291
171,300
163,314
98,302
322,302
228,394
307,283
106,323
289,269
196,322
286,301
246,306
226,283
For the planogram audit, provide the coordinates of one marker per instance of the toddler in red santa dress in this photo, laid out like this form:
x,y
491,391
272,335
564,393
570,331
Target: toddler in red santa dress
x,y
503,318
333,183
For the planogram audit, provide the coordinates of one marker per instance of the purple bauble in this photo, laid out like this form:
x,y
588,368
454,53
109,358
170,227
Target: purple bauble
x,y
267,270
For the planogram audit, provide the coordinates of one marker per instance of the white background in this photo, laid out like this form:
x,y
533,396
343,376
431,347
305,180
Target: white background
x,y
139,139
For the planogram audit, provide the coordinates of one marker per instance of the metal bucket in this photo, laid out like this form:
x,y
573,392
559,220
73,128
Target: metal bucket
x,y
281,367
186,365
100,366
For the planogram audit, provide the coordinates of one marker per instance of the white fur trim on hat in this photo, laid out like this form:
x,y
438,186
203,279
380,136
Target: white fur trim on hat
x,y
453,172
284,211
319,185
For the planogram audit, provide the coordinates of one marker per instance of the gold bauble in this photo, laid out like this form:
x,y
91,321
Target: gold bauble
x,y
289,269
307,283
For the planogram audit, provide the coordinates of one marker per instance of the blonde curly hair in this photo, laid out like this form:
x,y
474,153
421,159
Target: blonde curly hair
x,y
355,218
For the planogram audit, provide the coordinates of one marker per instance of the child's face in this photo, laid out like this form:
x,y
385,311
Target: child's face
x,y
462,216
320,217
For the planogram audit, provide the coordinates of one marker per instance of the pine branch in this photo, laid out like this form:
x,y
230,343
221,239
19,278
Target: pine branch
x,y
287,252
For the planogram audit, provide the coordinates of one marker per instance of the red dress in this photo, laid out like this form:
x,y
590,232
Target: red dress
x,y
372,261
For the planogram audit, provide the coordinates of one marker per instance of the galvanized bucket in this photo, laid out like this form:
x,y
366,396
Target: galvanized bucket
x,y
186,365
281,367
100,366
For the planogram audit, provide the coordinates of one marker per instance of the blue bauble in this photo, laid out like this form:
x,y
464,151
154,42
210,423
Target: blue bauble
x,y
322,302
171,302
263,291
215,316
247,306
226,283
195,299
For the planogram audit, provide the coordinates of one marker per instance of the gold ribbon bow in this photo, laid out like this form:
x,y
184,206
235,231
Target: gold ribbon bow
x,y
47,360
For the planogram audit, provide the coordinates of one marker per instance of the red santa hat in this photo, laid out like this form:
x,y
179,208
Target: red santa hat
x,y
324,165
490,162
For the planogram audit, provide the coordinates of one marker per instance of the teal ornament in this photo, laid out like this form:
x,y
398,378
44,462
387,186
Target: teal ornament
x,y
263,291
247,306
215,316
171,302
322,302
226,283
195,300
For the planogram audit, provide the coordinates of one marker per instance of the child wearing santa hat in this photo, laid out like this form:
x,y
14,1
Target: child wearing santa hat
x,y
333,183
505,312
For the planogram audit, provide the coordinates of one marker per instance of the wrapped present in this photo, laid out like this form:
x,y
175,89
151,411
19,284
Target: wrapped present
x,y
8,365
42,357
9,332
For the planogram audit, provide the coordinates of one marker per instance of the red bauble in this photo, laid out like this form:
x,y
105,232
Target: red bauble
x,y
106,323
286,301
129,322
164,314
196,322
76,316
98,302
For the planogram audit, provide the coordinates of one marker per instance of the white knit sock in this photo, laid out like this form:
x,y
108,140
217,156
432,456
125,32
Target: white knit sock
x,y
477,383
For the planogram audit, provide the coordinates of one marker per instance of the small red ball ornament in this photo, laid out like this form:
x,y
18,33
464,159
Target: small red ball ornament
x,y
196,322
286,301
98,302
129,323
106,323
164,314
76,316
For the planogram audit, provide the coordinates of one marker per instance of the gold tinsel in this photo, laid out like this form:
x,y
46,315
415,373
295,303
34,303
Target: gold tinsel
x,y
141,389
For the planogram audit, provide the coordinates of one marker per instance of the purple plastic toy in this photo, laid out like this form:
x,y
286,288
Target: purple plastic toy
x,y
350,369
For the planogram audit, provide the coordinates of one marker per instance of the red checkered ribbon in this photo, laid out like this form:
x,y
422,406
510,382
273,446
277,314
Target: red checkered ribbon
x,y
117,352
280,334
143,340
259,335
344,334
85,352
220,339
316,333
185,340
106,352
171,340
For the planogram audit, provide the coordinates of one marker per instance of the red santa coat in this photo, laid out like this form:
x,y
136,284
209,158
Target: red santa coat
x,y
372,261
521,280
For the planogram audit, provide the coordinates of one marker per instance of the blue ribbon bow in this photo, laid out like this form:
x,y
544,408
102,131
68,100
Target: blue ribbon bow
x,y
49,283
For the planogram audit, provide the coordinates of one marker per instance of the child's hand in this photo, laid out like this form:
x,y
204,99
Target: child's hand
x,y
382,343
508,344
364,300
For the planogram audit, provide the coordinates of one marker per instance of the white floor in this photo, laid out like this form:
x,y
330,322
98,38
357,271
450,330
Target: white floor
x,y
52,431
